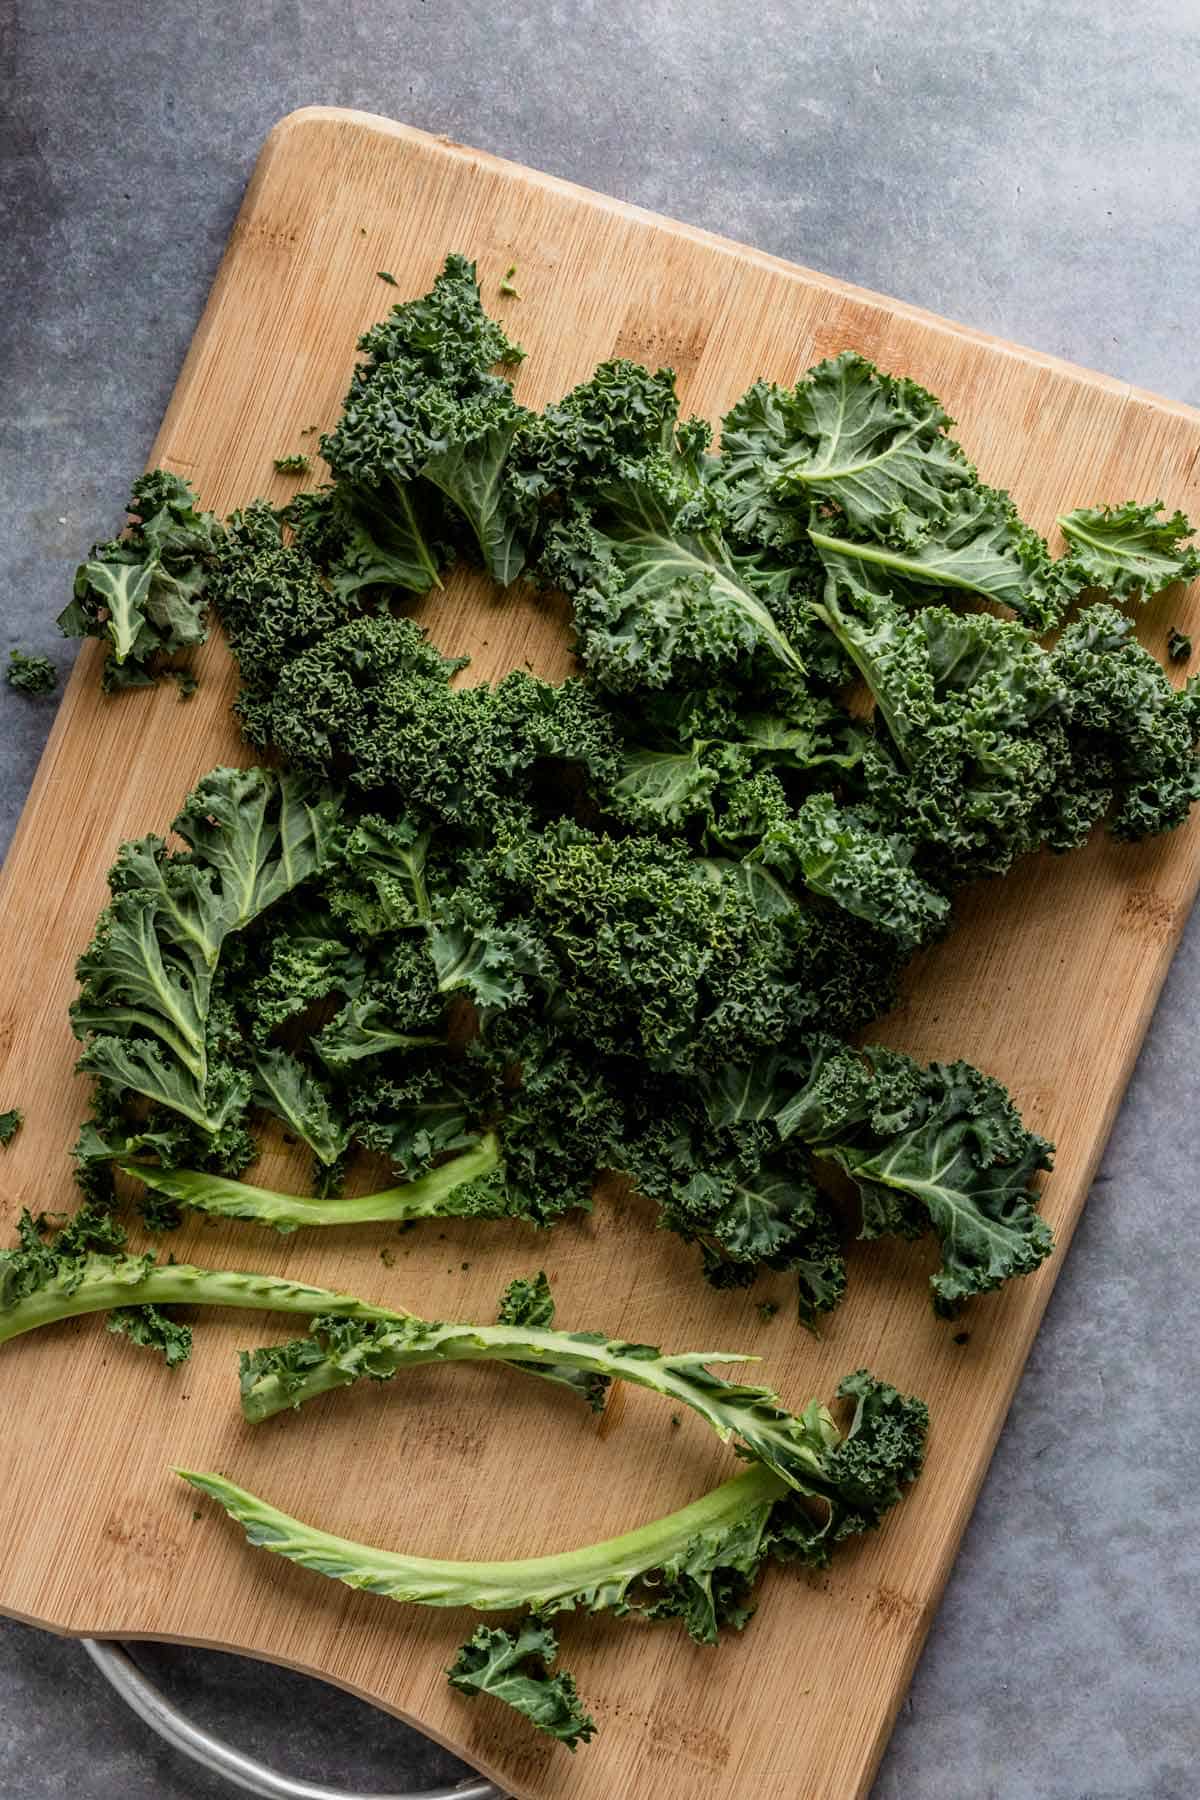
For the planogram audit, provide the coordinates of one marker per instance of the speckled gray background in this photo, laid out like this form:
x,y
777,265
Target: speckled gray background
x,y
1030,168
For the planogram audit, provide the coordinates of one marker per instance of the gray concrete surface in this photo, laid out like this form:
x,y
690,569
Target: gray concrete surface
x,y
1029,168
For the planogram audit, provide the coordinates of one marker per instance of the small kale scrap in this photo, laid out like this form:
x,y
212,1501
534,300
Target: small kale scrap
x,y
514,1666
29,673
146,593
10,1123
698,1565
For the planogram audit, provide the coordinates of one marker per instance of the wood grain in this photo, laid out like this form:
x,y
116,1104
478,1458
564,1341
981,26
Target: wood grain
x,y
1048,982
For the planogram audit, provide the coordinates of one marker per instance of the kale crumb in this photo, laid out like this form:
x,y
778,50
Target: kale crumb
x,y
387,1257
962,1337
1179,645
676,1421
30,673
506,286
184,680
386,275
10,1124
466,1265
197,1515
295,464
766,1310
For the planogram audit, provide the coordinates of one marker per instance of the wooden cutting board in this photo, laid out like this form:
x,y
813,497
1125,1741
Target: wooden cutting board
x,y
1048,982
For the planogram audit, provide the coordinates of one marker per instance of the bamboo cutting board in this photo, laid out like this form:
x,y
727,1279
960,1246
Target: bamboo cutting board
x,y
1048,982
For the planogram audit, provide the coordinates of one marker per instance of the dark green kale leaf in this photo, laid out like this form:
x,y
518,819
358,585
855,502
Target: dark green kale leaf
x,y
1133,737
426,425
150,1007
1130,550
558,1113
659,954
10,1123
418,1109
971,732
284,1087
1179,645
976,543
832,852
147,592
273,605
635,536
847,433
939,1146
30,674
513,1666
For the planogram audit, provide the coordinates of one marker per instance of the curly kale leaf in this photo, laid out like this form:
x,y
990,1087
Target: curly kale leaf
x,y
301,961
146,592
847,433
735,1188
940,1146
634,535
274,606
417,1112
513,1666
976,543
282,1086
580,444
1131,551
660,955
972,721
10,1123
1134,738
150,1004
656,593
558,1114
426,427
29,673
833,853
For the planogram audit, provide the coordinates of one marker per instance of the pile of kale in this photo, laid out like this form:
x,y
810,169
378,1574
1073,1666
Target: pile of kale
x,y
635,921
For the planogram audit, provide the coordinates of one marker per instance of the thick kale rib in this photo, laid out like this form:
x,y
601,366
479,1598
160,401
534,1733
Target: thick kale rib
x,y
276,1379
42,1283
462,1186
696,1564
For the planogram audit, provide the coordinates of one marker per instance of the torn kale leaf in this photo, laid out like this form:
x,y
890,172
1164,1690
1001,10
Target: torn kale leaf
x,y
147,593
